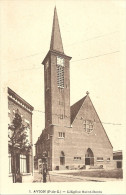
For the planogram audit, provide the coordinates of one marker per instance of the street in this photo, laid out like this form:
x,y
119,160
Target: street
x,y
54,177
57,176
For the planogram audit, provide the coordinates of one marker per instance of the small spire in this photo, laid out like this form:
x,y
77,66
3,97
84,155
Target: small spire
x,y
56,40
87,93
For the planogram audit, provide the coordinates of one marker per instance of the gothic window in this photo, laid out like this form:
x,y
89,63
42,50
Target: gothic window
x,y
60,72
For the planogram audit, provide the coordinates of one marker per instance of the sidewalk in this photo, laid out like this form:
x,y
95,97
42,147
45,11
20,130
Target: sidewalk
x,y
81,178
39,178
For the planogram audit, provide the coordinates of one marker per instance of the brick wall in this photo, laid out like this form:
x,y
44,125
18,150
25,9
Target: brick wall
x,y
77,141
26,117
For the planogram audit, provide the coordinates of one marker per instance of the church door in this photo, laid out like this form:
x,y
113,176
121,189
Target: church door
x,y
62,158
89,157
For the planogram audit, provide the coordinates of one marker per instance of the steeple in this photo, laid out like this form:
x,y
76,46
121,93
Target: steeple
x,y
56,80
56,41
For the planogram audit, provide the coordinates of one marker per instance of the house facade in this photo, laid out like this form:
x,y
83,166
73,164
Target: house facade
x,y
74,136
118,159
23,160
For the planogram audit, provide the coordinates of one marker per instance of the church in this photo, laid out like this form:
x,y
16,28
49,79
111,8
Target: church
x,y
74,136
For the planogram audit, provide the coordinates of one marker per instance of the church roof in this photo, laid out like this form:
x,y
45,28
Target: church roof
x,y
56,40
75,108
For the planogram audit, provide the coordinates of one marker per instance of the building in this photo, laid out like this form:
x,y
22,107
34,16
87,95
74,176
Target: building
x,y
117,157
24,160
74,136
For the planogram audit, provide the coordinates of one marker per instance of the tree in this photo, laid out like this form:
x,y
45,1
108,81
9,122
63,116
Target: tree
x,y
18,142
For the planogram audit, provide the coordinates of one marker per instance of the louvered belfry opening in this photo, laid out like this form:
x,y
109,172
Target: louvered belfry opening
x,y
60,76
60,72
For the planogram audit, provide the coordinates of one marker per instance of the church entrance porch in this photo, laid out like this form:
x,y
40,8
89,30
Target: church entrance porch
x,y
89,158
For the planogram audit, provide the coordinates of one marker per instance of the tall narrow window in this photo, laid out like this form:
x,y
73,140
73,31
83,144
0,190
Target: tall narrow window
x,y
9,155
60,72
23,168
47,74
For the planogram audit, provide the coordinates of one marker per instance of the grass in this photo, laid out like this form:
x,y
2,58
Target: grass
x,y
116,173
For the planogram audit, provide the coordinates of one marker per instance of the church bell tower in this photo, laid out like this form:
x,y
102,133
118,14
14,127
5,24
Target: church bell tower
x,y
57,80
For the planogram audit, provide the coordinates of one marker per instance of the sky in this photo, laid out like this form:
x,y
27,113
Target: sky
x,y
93,34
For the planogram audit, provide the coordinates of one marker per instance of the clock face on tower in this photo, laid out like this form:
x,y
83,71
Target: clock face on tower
x,y
88,126
60,61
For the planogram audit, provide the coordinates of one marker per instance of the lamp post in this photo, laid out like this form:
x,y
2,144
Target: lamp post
x,y
44,160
